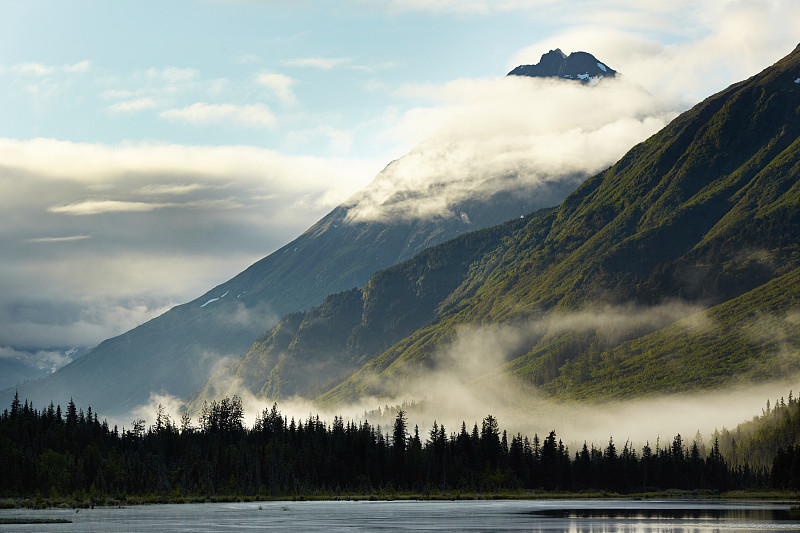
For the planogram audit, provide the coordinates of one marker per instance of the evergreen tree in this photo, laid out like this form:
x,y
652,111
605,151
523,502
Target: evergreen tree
x,y
399,435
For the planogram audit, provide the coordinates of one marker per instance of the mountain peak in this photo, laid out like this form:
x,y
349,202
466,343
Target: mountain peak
x,y
581,66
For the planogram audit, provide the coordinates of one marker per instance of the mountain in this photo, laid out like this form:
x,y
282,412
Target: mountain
x,y
581,66
177,351
306,351
676,269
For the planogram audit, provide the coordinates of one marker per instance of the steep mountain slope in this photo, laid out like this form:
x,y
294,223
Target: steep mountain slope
x,y
707,210
175,352
305,352
706,213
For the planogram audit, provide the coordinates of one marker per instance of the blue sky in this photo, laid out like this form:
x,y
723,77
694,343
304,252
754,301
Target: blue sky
x,y
311,78
315,78
150,150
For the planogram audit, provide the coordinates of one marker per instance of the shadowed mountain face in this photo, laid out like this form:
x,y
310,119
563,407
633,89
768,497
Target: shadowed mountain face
x,y
177,351
676,269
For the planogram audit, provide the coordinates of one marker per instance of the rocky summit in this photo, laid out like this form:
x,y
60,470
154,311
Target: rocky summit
x,y
581,66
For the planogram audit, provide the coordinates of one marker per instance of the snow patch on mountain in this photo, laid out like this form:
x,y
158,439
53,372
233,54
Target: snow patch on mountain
x,y
211,301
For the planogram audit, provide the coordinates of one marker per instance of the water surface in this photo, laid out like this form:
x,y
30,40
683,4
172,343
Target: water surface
x,y
579,516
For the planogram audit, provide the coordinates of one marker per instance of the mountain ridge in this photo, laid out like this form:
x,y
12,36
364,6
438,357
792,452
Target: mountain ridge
x,y
175,352
782,147
705,211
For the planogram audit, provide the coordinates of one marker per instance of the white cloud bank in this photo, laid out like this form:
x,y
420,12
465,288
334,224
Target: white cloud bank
x,y
97,239
514,133
488,135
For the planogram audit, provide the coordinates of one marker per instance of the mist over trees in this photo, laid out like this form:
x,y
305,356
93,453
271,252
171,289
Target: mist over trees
x,y
71,454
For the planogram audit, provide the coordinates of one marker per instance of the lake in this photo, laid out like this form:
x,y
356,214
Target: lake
x,y
579,516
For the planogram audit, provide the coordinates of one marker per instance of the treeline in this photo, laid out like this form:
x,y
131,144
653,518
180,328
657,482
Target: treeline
x,y
72,454
757,441
770,439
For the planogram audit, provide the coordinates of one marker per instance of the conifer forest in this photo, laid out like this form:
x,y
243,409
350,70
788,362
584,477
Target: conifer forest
x,y
55,454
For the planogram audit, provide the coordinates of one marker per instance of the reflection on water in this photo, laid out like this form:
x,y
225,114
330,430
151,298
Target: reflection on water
x,y
682,516
715,515
578,516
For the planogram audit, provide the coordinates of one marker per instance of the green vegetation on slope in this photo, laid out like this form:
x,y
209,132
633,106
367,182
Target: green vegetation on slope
x,y
706,211
752,337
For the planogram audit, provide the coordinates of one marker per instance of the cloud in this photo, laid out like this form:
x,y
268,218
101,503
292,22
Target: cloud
x,y
172,188
33,69
97,207
57,320
70,238
246,59
544,133
330,63
471,7
49,360
508,134
158,87
280,84
481,351
133,106
323,63
462,384
172,74
466,380
78,68
97,238
677,18
94,207
43,82
40,70
203,113
209,167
